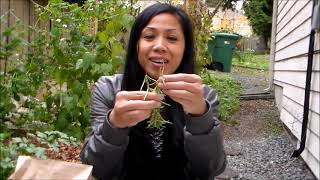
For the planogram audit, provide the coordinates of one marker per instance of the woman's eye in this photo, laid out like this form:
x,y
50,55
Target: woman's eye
x,y
148,37
172,38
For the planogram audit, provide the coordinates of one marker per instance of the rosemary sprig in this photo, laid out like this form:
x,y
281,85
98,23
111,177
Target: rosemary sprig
x,y
156,120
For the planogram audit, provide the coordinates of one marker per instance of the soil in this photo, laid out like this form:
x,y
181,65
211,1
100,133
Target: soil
x,y
252,120
65,153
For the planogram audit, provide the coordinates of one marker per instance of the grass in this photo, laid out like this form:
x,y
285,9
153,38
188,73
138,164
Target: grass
x,y
251,60
272,124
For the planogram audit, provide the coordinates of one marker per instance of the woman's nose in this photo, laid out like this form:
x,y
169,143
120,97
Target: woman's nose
x,y
159,45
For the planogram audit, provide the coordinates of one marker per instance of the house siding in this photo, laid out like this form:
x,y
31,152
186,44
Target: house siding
x,y
291,58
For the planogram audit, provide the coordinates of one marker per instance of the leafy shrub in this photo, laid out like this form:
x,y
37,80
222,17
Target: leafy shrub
x,y
228,91
83,44
35,145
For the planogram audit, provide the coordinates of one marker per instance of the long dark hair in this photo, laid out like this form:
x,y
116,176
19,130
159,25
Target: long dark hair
x,y
133,73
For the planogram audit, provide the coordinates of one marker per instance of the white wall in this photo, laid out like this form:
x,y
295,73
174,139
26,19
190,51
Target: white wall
x,y
292,42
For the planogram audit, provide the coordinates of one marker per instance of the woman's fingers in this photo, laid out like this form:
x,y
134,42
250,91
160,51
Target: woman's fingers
x,y
139,95
136,116
128,118
181,94
182,85
138,105
191,78
131,107
186,89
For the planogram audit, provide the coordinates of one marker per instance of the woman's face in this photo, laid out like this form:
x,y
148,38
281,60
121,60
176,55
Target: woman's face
x,y
161,43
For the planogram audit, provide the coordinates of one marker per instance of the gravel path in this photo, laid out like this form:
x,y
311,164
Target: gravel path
x,y
267,158
258,147
256,143
252,81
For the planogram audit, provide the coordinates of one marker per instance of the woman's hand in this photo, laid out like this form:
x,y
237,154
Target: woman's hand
x,y
131,107
186,89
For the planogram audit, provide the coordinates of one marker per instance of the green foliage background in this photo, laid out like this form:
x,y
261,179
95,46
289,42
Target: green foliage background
x,y
228,91
62,64
259,13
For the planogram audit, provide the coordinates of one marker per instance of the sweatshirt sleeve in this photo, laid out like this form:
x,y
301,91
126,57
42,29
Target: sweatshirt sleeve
x,y
204,141
104,147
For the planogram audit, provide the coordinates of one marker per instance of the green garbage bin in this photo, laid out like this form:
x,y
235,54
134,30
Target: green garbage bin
x,y
220,48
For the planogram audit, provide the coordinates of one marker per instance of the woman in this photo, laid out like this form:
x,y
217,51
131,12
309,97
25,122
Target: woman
x,y
121,146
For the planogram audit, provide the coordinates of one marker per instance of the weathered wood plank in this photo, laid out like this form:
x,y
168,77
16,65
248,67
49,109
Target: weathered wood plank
x,y
284,11
288,36
281,5
317,43
298,48
297,95
312,162
312,141
298,79
292,112
4,8
297,64
297,14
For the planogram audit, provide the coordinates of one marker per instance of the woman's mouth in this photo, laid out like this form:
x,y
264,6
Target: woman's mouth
x,y
158,62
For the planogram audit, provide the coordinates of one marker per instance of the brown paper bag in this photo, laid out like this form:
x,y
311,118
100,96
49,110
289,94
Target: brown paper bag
x,y
32,168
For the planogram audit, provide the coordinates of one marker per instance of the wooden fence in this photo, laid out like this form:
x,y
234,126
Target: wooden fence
x,y
252,43
24,10
12,11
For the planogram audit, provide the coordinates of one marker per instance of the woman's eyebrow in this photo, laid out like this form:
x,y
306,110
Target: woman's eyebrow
x,y
153,28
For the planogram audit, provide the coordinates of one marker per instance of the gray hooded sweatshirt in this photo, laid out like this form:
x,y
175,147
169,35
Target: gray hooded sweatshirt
x,y
105,147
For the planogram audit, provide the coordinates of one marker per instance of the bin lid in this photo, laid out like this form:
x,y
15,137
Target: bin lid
x,y
227,35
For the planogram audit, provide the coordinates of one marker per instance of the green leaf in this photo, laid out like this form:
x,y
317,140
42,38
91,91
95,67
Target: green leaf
x,y
62,121
56,31
60,75
105,68
110,28
79,64
127,20
102,37
59,56
68,102
40,153
116,49
88,59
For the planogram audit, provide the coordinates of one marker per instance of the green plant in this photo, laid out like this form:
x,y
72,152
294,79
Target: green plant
x,y
62,63
228,91
252,60
25,147
11,148
35,145
11,82
272,123
53,139
8,156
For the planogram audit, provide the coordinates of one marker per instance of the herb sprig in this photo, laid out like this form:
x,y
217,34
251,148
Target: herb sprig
x,y
156,120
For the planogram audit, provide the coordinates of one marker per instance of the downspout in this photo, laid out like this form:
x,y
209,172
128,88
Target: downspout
x,y
273,45
315,25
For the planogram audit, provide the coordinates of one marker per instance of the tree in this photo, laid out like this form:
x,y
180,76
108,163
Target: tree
x,y
259,13
225,4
